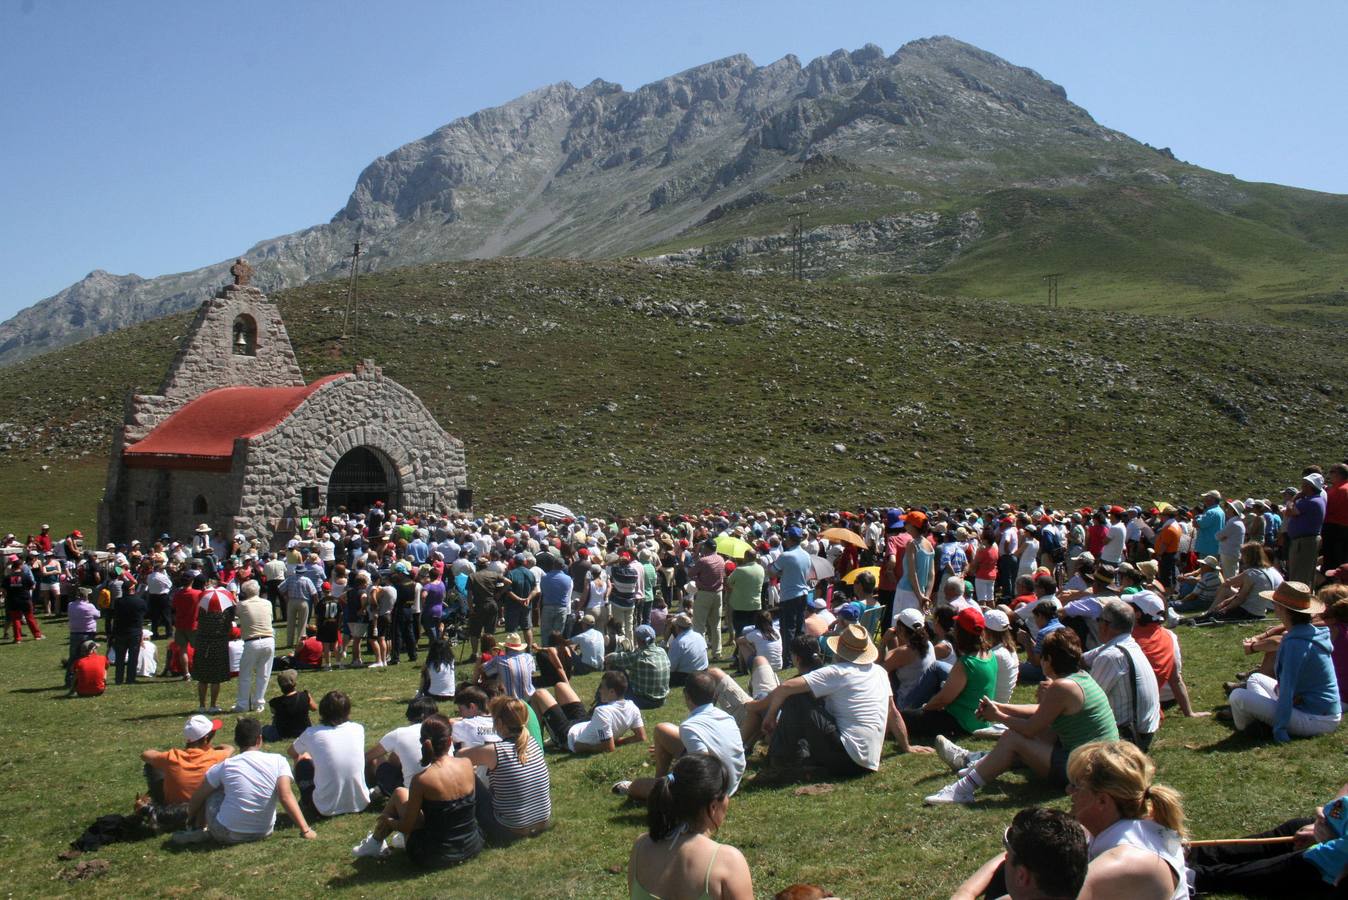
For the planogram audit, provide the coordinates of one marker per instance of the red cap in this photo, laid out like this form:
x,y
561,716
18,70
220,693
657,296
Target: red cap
x,y
970,619
1116,510
729,566
77,533
327,585
583,551
915,517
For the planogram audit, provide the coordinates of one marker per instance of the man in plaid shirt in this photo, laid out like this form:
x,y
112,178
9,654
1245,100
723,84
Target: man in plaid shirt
x,y
647,669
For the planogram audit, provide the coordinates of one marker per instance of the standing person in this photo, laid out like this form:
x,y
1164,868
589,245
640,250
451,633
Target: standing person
x,y
919,570
678,856
330,760
299,593
253,616
485,587
186,603
985,568
215,620
1230,536
744,592
48,576
128,621
1334,531
626,577
19,585
237,798
1008,558
555,595
891,563
329,612
1305,516
404,615
796,572
158,587
518,598
1207,523
1167,551
274,574
708,574
1116,538
357,598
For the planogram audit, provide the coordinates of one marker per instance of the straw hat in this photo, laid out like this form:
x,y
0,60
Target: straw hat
x,y
853,644
513,642
1295,596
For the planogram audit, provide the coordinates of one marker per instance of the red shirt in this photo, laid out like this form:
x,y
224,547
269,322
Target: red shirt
x,y
43,542
985,562
896,545
186,606
310,652
91,675
1336,504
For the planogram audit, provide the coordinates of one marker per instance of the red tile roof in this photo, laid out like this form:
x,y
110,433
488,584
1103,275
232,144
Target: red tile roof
x,y
202,433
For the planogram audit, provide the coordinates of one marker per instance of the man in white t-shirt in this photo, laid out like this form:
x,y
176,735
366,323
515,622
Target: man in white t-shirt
x,y
397,756
472,727
1116,537
589,647
237,799
707,729
604,729
835,716
330,760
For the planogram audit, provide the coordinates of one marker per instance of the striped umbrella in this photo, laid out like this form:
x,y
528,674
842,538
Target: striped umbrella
x,y
216,599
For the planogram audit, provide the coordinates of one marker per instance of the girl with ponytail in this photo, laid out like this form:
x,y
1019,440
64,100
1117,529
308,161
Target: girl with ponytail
x,y
678,859
515,801
1136,825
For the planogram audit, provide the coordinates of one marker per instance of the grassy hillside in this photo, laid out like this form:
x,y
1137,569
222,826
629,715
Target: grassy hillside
x,y
616,386
1160,237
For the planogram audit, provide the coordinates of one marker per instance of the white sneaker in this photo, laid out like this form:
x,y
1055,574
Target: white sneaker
x,y
952,754
950,794
370,846
994,731
622,787
397,840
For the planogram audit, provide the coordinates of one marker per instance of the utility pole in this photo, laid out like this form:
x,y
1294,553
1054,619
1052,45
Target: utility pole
x,y
351,284
1052,279
798,247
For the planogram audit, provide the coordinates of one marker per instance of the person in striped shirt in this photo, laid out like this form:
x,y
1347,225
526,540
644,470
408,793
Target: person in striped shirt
x,y
515,668
514,800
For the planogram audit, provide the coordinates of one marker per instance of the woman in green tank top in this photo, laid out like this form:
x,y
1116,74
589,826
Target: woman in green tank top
x,y
1072,710
954,709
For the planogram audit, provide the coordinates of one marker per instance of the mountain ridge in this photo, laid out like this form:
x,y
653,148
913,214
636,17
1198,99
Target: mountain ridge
x,y
697,168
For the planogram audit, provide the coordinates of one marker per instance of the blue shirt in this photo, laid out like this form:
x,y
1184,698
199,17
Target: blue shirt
x,y
793,567
516,670
1305,672
688,652
1331,857
1052,626
556,588
419,551
1206,527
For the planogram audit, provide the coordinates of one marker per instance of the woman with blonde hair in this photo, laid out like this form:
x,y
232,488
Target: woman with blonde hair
x,y
514,800
1136,825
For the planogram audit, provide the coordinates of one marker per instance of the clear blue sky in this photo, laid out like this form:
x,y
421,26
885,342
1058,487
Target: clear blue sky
x,y
156,136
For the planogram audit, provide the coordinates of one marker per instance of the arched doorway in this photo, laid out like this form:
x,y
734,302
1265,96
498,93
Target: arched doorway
x,y
361,477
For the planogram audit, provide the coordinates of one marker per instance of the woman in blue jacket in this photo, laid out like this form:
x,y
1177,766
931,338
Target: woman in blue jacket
x,y
1304,699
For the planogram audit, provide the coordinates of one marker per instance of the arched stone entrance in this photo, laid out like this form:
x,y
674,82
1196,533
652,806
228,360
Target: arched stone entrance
x,y
362,476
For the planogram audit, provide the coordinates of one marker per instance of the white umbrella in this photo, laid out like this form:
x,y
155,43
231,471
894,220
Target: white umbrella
x,y
554,511
822,567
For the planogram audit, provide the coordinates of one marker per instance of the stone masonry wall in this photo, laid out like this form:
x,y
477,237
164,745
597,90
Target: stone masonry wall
x,y
207,359
360,409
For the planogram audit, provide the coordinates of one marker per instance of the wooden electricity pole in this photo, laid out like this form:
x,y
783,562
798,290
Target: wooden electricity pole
x,y
1052,279
351,284
798,247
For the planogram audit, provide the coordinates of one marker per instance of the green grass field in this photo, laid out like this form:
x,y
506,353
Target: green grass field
x,y
66,762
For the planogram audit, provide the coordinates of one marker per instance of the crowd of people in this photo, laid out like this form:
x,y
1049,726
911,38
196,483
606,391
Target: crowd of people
x,y
821,635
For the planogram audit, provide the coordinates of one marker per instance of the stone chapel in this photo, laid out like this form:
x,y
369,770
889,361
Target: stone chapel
x,y
236,440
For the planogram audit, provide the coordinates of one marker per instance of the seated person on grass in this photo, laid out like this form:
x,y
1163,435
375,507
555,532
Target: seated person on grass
x,y
603,729
236,801
493,688
687,650
1045,856
646,667
472,727
393,761
90,671
173,776
1072,710
330,760
589,644
290,710
707,730
436,818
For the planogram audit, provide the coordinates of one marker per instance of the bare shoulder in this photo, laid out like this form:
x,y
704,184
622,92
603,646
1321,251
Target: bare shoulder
x,y
1127,873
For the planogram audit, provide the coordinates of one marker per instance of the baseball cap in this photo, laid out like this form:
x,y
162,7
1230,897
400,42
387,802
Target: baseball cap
x,y
198,727
795,532
995,620
850,612
645,634
1146,602
916,517
912,618
970,619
